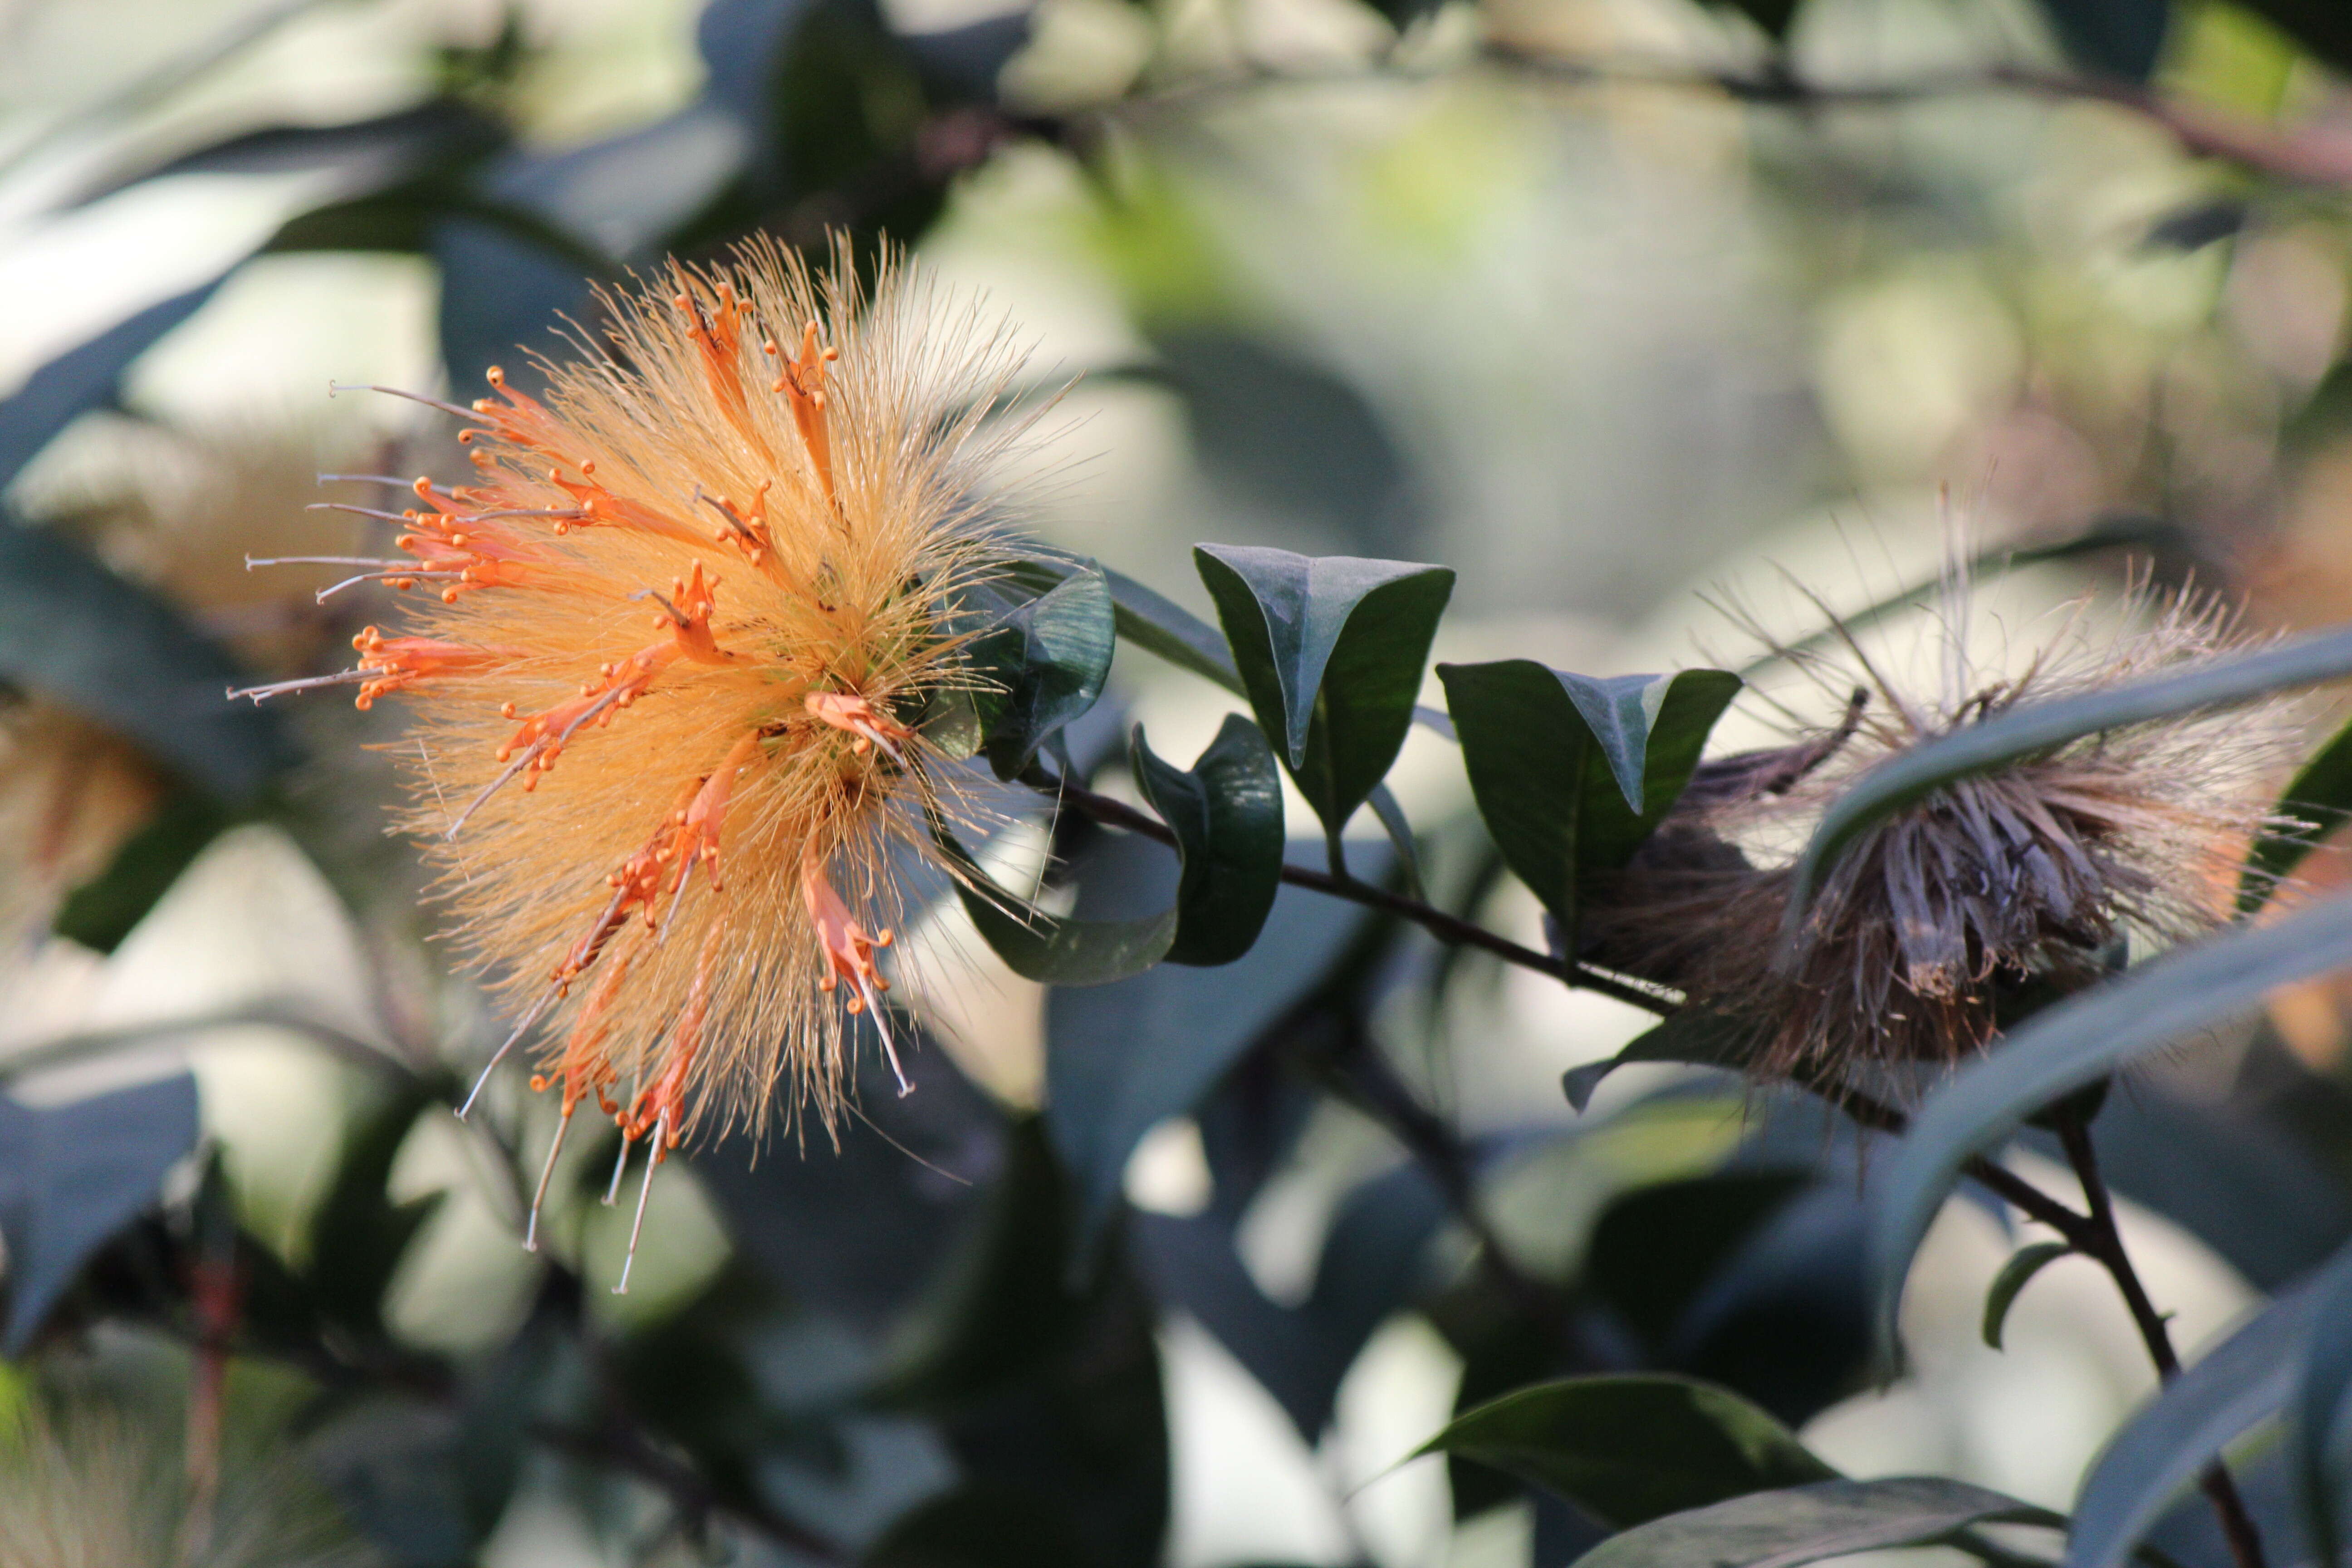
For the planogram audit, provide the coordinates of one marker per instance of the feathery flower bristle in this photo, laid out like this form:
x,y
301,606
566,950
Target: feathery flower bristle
x,y
677,632
2028,875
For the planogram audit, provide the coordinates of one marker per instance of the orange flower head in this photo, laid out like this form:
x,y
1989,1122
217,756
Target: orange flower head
x,y
665,672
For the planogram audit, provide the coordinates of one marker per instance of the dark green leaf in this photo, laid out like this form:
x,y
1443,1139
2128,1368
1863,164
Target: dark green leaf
x,y
2076,1042
84,377
2316,1455
1804,1524
1371,1260
2035,729
1693,1036
1048,657
1227,815
1633,1447
1158,625
71,1175
77,634
438,133
1121,1058
1773,16
360,1234
1572,774
2022,1265
2160,1450
2322,27
2320,794
2118,38
502,296
1331,650
100,912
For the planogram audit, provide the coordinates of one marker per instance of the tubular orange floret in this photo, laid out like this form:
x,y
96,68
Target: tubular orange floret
x,y
699,825
848,953
848,712
803,385
584,1069
522,420
693,599
718,334
598,504
397,663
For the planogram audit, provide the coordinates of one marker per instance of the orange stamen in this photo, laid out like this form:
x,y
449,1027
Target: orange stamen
x,y
803,385
848,953
397,663
847,710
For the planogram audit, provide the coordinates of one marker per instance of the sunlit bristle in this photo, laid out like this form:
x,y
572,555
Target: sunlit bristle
x,y
675,625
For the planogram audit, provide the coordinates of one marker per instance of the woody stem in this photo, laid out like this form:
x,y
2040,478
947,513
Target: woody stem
x,y
2103,1242
1447,928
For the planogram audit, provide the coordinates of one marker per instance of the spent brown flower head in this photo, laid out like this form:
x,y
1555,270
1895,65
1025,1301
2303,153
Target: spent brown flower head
x,y
2026,877
665,655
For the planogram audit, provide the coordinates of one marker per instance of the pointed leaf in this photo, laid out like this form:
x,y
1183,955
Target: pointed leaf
x,y
1331,650
1693,1036
2315,1452
2074,1043
1157,625
1804,1524
1633,1447
2159,1451
1572,774
1227,813
84,377
1050,655
2320,794
71,1175
1119,1059
2035,729
2022,1265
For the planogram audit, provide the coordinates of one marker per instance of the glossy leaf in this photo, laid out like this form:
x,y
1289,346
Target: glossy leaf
x,y
1119,1059
1227,815
1692,1036
1370,1260
1572,772
71,1175
85,377
1786,1528
2321,794
1157,625
89,640
2022,1266
438,133
1331,650
1633,1447
2119,38
2159,1451
2035,729
1050,657
2076,1042
2316,1447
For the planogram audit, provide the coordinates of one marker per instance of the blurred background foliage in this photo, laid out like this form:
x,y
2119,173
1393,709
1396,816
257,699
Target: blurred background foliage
x,y
1604,303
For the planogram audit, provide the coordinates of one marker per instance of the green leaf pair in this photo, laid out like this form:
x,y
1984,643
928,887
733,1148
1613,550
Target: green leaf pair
x,y
1572,774
1226,814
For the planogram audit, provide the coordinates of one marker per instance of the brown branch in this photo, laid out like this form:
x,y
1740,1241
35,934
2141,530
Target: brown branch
x,y
1447,928
2004,1183
2315,155
2105,1244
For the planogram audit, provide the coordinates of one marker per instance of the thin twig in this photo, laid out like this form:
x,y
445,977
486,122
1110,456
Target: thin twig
x,y
2004,1183
1447,928
2105,1242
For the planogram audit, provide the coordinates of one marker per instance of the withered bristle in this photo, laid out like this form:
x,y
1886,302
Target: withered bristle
x,y
2027,876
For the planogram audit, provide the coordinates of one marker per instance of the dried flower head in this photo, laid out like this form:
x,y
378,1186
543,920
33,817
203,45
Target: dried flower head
x,y
2028,875
70,795
668,651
